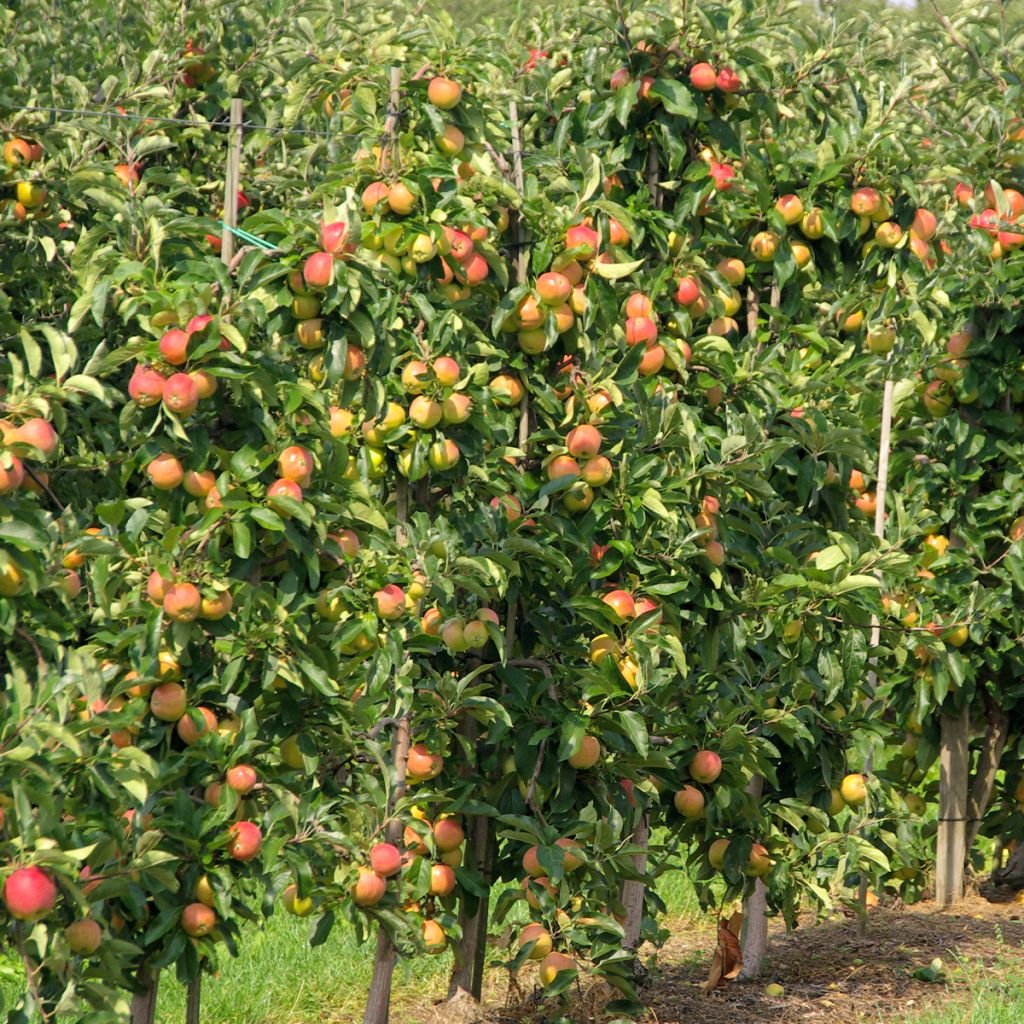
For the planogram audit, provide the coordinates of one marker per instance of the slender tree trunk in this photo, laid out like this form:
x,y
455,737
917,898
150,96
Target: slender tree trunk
x,y
143,1008
1013,874
195,988
467,974
949,861
754,933
378,999
985,773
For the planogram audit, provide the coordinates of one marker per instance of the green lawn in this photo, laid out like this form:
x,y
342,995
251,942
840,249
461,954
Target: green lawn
x,y
996,997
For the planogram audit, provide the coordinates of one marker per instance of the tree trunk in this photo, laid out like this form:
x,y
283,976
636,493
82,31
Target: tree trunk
x,y
985,773
949,860
195,988
468,972
754,933
378,999
633,890
143,1009
1012,875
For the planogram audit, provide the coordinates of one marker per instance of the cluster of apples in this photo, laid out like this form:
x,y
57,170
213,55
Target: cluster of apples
x,y
317,274
179,392
443,842
182,601
30,893
199,918
461,634
626,607
706,520
1001,217
29,200
705,768
863,498
581,461
35,438
702,77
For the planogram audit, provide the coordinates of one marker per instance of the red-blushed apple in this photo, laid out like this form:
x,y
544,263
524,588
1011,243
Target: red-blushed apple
x,y
190,732
146,386
168,702
446,371
318,270
570,860
888,234
181,394
369,888
401,199
597,471
373,195
583,238
422,764
553,288
442,880
198,920
390,602
296,463
182,602
241,778
621,602
687,291
542,882
728,81
505,389
165,472
29,893
174,347
448,834
723,175
865,202
703,77
764,245
791,207
285,489
334,238
245,841
706,766
386,859
39,434
444,93
689,802
583,441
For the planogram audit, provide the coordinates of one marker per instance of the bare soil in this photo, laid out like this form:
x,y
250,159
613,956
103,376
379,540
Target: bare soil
x,y
830,973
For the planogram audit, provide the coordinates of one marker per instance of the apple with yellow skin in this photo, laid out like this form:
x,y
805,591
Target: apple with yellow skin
x,y
553,964
854,789
541,939
587,754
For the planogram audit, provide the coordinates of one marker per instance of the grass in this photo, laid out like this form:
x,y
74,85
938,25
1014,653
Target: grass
x,y
996,997
278,978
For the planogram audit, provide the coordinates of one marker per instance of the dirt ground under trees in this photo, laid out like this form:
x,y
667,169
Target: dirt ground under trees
x,y
830,973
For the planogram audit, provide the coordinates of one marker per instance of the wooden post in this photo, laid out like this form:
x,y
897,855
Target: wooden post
x,y
632,891
390,139
232,182
143,1006
884,446
754,933
378,999
951,840
468,972
195,988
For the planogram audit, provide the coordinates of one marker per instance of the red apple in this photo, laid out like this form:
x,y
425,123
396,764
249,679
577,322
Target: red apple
x,y
29,893
246,839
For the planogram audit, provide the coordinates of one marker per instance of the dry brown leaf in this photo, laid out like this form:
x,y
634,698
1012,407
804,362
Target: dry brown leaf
x,y
728,959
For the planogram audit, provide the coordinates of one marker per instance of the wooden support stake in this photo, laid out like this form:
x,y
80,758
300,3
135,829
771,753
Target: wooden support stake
x,y
232,182
378,999
882,487
389,143
952,835
754,933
